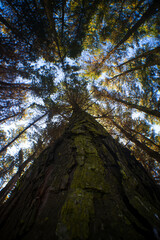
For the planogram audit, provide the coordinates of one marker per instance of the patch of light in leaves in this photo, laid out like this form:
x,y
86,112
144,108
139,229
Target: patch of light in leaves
x,y
59,76
156,128
152,42
70,61
137,114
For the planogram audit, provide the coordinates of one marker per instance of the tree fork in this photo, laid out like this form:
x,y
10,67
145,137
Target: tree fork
x,y
86,186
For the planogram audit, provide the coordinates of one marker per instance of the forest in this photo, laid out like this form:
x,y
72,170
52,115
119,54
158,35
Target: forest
x,y
79,119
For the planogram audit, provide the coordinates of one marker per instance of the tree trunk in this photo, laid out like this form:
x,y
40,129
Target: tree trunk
x,y
153,8
144,54
152,153
19,134
86,186
149,64
111,96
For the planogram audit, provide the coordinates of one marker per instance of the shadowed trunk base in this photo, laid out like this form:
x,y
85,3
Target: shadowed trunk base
x,y
86,186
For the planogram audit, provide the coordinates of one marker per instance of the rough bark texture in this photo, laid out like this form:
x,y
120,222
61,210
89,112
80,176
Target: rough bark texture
x,y
85,187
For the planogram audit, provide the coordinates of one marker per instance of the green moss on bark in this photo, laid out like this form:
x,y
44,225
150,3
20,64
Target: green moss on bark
x,y
89,176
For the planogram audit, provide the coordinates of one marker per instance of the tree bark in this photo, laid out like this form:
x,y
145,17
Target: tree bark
x,y
86,186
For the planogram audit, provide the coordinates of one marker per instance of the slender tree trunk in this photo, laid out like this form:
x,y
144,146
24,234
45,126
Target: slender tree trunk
x,y
14,115
13,140
144,137
153,8
14,30
155,50
84,187
149,64
14,179
21,112
139,144
149,111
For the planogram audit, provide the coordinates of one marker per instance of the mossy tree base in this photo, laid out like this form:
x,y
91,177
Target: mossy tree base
x,y
86,186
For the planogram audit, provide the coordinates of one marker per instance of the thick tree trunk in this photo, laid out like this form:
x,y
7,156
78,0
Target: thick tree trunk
x,y
85,187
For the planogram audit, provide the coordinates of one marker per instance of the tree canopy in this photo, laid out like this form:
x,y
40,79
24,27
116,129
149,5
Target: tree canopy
x,y
102,56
